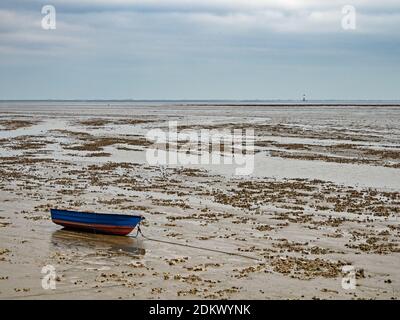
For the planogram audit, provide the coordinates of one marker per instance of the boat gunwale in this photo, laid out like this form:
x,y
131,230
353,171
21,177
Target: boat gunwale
x,y
100,214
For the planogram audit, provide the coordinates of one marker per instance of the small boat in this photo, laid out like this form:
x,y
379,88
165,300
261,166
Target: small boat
x,y
117,224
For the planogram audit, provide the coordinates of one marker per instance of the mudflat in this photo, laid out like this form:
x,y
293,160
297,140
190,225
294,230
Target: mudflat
x,y
324,197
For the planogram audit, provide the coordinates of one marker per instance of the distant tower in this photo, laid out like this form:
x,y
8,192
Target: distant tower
x,y
304,97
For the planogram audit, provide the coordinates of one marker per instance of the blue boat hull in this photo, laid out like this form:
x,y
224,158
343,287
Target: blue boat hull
x,y
116,224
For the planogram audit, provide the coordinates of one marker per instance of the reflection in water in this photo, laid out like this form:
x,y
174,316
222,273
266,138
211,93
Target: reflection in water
x,y
65,238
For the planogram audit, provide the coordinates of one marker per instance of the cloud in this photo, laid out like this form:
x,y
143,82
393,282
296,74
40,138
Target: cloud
x,y
106,25
162,39
275,15
205,6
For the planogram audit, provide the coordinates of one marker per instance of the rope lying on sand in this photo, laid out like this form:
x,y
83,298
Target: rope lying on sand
x,y
139,231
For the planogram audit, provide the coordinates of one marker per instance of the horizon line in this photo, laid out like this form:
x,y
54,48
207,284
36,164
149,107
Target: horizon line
x,y
198,100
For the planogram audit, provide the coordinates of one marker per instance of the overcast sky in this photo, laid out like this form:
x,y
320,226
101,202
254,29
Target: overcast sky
x,y
200,49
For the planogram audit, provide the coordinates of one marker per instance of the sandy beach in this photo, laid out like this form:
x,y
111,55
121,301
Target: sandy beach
x,y
324,194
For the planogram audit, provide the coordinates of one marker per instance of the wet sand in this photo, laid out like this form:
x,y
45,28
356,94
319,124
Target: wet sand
x,y
324,194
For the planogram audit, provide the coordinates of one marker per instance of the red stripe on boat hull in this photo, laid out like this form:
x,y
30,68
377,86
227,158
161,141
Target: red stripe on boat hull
x,y
117,230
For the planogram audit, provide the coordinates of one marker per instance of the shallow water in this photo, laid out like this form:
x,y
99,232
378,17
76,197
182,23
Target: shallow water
x,y
381,122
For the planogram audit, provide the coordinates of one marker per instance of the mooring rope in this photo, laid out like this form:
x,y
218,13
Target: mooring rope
x,y
139,231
